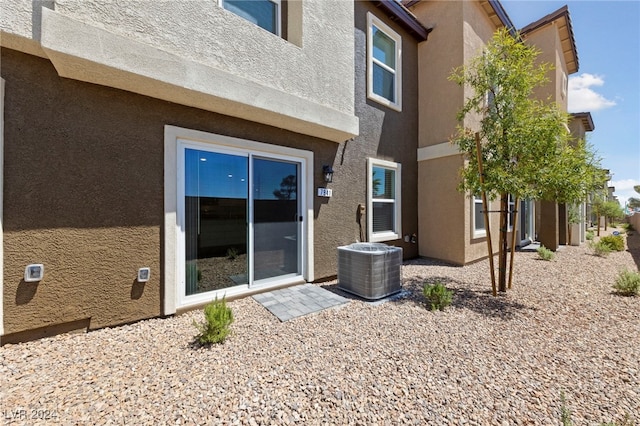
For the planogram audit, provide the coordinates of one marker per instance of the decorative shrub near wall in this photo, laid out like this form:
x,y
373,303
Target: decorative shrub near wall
x,y
627,283
215,328
615,242
437,295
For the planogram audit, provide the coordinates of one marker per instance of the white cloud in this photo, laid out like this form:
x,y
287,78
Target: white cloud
x,y
582,98
624,189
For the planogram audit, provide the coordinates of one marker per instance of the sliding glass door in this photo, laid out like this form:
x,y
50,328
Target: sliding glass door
x,y
242,219
216,216
276,218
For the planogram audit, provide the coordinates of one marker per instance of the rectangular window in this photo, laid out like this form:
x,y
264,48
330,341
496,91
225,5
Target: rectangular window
x,y
490,100
384,216
511,207
263,13
565,84
384,64
479,229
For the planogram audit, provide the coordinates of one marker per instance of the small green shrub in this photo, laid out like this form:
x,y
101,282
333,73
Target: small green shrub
x,y
215,328
545,253
615,242
628,283
437,295
565,413
627,228
589,236
601,249
232,253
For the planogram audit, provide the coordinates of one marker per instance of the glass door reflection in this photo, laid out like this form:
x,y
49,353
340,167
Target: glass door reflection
x,y
216,208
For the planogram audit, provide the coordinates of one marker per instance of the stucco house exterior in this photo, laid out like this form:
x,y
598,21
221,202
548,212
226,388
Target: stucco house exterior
x,y
579,124
158,156
553,36
451,224
161,155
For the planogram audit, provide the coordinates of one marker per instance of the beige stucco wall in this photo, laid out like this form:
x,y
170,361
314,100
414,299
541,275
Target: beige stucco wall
x,y
478,30
635,221
547,41
439,99
195,53
577,129
441,213
460,31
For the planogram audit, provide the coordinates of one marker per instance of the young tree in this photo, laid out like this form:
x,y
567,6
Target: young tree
x,y
612,212
524,148
597,209
634,202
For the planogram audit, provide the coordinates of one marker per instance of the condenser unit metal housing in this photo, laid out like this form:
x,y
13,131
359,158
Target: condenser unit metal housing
x,y
370,270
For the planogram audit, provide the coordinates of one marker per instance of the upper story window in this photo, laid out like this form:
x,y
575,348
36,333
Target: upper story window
x,y
264,13
384,64
383,200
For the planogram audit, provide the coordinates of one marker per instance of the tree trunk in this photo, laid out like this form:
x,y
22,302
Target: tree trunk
x,y
502,256
485,208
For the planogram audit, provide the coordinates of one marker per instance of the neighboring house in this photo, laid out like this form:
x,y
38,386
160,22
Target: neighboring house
x,y
159,156
553,36
192,139
579,124
602,194
451,224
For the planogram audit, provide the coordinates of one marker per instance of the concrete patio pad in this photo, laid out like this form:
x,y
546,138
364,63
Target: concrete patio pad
x,y
297,301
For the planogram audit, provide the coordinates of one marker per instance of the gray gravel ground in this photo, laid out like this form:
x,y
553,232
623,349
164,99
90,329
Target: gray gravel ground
x,y
483,361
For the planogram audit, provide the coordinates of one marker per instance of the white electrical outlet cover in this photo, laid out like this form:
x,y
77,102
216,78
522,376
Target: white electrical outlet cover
x,y
144,274
33,273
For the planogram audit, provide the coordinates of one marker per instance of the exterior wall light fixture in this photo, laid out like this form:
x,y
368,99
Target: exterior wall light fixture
x,y
327,172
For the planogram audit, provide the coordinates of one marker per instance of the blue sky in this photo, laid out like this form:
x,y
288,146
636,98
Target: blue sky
x,y
607,35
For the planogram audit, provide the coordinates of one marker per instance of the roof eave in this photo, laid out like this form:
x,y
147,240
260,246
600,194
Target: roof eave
x,y
407,20
587,120
571,55
502,15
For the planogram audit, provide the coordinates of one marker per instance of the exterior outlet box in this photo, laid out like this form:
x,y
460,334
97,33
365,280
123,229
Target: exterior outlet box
x,y
144,274
33,273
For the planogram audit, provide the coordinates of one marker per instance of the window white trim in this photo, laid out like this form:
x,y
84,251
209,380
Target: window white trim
x,y
397,231
174,138
477,232
511,206
278,17
397,72
565,85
